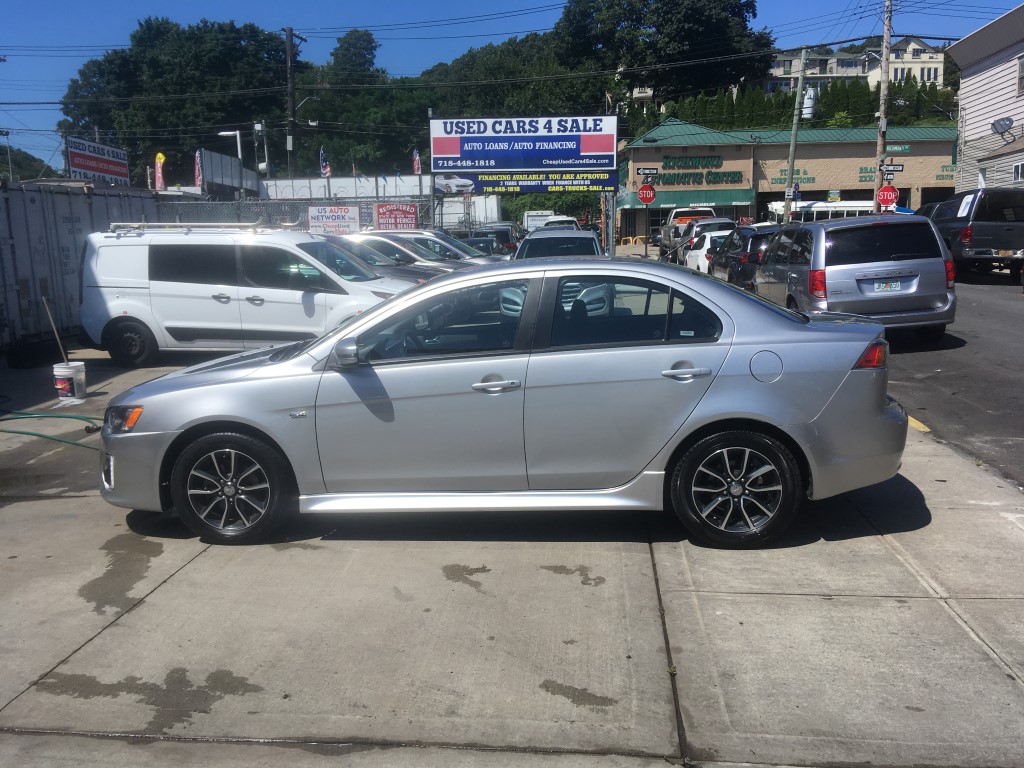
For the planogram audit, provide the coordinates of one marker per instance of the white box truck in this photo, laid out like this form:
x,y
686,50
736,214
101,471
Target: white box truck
x,y
534,219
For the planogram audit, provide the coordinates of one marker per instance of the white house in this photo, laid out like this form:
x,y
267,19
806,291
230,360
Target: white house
x,y
991,144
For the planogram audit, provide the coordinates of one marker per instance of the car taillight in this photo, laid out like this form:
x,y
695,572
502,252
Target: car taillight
x,y
816,283
745,258
966,235
950,273
691,241
875,356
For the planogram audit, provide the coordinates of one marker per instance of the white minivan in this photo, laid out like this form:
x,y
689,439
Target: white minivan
x,y
148,287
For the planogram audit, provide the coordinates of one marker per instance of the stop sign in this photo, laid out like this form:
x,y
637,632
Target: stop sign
x,y
646,194
887,195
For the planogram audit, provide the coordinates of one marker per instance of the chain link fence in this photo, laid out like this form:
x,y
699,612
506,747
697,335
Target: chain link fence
x,y
277,213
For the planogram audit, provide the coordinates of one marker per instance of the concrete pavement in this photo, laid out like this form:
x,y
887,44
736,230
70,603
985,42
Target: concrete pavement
x,y
885,628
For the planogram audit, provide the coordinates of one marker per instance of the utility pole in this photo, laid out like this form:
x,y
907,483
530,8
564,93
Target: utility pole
x,y
798,105
883,99
289,54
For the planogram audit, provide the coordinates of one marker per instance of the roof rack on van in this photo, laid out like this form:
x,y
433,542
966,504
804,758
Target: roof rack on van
x,y
179,225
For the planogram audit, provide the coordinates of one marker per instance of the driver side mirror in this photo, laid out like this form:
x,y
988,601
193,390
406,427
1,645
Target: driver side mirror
x,y
345,355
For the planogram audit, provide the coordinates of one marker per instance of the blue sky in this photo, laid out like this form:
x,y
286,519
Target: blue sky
x,y
45,45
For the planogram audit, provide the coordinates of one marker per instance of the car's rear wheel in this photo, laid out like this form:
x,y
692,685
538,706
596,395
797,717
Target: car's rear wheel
x,y
736,489
232,488
131,344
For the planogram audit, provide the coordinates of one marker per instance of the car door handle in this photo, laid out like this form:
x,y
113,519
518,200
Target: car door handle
x,y
497,386
257,300
223,298
686,373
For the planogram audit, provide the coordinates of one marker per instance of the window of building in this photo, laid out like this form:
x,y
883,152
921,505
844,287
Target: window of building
x,y
897,53
916,53
787,67
1018,172
1020,76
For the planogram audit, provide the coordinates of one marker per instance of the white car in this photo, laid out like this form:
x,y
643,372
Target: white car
x,y
449,184
697,256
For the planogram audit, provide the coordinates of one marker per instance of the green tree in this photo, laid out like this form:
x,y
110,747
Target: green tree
x,y
23,166
174,88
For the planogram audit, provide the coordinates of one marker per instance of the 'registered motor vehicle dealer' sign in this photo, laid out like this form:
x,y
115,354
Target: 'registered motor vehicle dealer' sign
x,y
538,154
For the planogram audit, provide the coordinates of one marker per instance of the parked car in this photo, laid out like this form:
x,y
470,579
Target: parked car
x,y
895,269
694,229
554,241
736,260
687,394
442,244
486,245
507,233
450,183
698,255
673,227
561,221
147,288
399,264
984,228
396,248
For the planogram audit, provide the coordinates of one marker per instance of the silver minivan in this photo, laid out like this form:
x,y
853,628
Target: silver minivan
x,y
892,268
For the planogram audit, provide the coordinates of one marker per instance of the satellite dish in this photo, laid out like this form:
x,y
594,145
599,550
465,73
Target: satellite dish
x,y
1002,125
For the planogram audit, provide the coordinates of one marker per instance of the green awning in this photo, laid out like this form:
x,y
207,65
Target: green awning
x,y
692,197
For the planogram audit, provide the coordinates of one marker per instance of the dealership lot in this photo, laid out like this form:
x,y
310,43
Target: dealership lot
x,y
885,627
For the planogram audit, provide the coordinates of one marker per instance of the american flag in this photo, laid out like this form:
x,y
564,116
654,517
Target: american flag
x,y
325,167
416,167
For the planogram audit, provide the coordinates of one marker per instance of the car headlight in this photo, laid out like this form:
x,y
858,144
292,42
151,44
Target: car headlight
x,y
122,418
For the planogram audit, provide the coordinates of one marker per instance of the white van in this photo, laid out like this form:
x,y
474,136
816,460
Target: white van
x,y
219,287
564,222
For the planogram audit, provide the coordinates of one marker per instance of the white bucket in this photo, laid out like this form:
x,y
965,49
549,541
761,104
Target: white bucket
x,y
69,379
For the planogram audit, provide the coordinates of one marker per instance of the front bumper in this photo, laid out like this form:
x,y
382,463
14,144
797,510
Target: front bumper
x,y
130,469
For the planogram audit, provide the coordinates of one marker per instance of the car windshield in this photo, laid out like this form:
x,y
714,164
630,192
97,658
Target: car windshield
x,y
391,246
379,257
339,261
438,250
458,245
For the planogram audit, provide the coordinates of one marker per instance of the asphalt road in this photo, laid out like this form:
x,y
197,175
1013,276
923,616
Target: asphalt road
x,y
968,390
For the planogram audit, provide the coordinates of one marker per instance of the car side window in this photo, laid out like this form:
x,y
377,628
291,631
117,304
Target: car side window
x,y
778,249
732,242
269,267
803,246
208,264
472,320
590,310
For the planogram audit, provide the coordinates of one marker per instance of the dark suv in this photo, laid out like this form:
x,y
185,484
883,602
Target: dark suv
x,y
984,228
736,260
505,232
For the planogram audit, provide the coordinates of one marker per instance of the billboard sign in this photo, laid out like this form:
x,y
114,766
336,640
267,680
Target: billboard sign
x,y
395,216
568,181
333,219
524,144
97,162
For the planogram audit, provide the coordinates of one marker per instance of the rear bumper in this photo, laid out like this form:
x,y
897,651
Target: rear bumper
x,y
853,447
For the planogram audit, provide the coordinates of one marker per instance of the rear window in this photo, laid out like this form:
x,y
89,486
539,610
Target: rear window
x,y
558,246
881,242
1000,207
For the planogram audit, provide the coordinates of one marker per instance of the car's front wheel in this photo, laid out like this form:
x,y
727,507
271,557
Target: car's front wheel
x,y
736,489
131,344
232,488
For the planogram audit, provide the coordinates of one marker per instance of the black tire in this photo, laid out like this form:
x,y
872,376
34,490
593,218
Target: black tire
x,y
131,344
730,278
931,334
736,489
1015,272
232,489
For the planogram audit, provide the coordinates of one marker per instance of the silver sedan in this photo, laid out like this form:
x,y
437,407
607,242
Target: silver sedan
x,y
548,384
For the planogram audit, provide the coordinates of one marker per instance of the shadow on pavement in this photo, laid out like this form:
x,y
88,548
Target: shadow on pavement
x,y
906,341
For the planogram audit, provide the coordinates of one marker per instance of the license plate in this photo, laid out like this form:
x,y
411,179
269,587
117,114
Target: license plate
x,y
884,286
